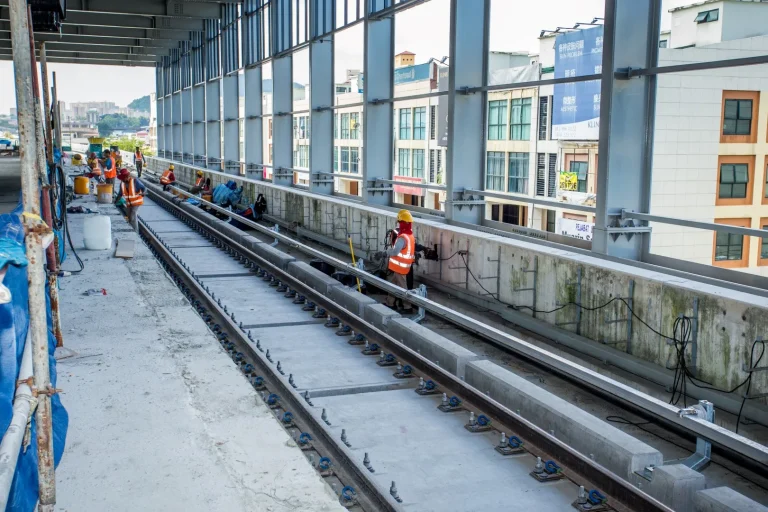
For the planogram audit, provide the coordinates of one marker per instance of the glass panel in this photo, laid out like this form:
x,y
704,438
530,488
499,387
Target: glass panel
x,y
726,173
743,127
731,109
721,253
739,191
745,109
741,175
729,127
722,238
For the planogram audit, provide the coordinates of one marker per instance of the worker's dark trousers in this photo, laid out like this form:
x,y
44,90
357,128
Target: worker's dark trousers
x,y
133,219
139,168
398,280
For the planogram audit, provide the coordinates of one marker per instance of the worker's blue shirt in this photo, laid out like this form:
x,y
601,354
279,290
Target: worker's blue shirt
x,y
108,164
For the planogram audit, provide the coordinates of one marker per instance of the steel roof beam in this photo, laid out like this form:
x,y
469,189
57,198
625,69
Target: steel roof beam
x,y
113,32
174,8
53,39
90,48
94,62
97,19
105,57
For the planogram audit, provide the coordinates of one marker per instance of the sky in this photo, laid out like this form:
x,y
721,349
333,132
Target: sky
x,y
423,30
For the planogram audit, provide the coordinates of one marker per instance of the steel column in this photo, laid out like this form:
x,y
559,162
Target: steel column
x,y
231,123
377,117
626,125
282,122
35,230
187,147
176,120
160,123
321,95
168,126
466,112
213,123
198,124
254,131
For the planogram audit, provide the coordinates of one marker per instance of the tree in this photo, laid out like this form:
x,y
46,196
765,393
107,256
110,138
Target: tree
x,y
112,122
141,104
128,143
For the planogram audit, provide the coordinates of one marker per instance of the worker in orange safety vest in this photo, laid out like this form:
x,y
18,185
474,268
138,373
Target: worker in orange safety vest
x,y
168,178
110,169
138,160
132,191
400,256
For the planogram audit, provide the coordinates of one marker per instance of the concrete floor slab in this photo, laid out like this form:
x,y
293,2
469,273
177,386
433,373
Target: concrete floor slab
x,y
160,418
318,358
210,260
253,302
153,212
438,465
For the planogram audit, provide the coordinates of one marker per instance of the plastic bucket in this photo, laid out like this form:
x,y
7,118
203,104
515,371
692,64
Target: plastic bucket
x,y
81,186
97,232
104,193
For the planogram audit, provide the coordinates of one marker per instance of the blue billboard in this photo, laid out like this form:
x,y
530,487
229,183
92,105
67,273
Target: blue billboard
x,y
576,108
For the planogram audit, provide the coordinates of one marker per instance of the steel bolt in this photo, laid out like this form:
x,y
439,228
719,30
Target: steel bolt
x,y
582,497
503,442
344,438
367,463
393,492
539,467
269,358
280,369
472,421
445,400
290,380
421,382
307,398
324,417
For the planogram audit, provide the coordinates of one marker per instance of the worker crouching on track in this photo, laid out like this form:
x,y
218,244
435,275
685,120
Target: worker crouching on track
x,y
401,256
132,193
168,179
201,184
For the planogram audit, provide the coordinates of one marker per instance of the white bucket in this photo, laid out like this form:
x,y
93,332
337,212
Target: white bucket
x,y
97,232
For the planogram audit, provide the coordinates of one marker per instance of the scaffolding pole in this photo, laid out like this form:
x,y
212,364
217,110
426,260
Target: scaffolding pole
x,y
45,161
35,231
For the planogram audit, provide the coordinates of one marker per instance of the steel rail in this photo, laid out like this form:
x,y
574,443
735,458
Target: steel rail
x,y
370,496
605,385
578,468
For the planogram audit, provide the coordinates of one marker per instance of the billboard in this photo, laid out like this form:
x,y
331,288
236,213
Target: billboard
x,y
575,228
576,109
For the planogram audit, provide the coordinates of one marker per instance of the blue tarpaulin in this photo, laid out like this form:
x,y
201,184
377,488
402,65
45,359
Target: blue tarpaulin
x,y
14,323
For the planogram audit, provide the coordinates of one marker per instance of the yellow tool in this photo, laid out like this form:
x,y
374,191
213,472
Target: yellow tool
x,y
352,251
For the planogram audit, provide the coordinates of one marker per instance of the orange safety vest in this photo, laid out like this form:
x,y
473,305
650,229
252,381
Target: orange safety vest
x,y
110,173
164,179
138,156
401,263
200,181
129,193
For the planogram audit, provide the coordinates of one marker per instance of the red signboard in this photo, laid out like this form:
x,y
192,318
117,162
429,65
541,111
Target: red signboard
x,y
414,191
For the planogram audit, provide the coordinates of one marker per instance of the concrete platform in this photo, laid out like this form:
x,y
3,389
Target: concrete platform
x,y
160,418
437,465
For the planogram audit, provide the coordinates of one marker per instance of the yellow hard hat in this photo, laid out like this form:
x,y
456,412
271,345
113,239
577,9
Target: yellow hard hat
x,y
199,173
170,167
404,216
77,158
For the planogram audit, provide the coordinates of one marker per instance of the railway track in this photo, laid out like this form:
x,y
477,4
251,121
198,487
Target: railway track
x,y
320,383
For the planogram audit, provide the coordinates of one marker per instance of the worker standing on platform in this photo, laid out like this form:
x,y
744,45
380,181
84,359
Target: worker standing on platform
x,y
168,178
401,256
110,170
138,160
132,193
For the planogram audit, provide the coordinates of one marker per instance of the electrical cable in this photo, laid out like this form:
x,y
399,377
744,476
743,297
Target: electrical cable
x,y
683,324
63,222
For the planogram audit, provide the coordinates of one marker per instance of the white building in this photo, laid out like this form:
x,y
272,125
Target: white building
x,y
711,150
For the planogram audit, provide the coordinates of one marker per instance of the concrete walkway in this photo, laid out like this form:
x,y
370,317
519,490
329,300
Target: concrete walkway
x,y
160,418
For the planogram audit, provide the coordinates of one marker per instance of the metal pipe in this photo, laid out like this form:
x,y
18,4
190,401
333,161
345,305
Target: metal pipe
x,y
57,109
46,105
10,447
35,230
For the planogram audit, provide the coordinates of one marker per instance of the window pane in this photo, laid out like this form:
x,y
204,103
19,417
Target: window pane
x,y
714,15
745,109
726,191
726,173
743,127
721,239
739,191
731,109
741,175
721,253
729,127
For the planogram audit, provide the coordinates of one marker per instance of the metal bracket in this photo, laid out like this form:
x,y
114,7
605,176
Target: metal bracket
x,y
497,277
706,411
628,319
531,289
421,291
576,283
618,225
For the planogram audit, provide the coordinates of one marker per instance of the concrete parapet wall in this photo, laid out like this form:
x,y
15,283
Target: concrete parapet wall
x,y
728,321
607,445
674,485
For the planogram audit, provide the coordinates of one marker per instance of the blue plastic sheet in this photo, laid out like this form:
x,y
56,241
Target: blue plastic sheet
x,y
14,323
227,194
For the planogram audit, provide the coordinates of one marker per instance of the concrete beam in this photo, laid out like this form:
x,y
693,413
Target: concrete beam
x,y
98,19
97,40
148,59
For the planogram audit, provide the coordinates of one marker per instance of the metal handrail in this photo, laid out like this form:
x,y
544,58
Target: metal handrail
x,y
709,226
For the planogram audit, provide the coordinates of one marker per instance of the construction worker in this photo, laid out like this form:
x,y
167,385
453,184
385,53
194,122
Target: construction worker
x,y
110,169
168,178
118,156
201,184
138,160
132,193
91,160
77,159
400,256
